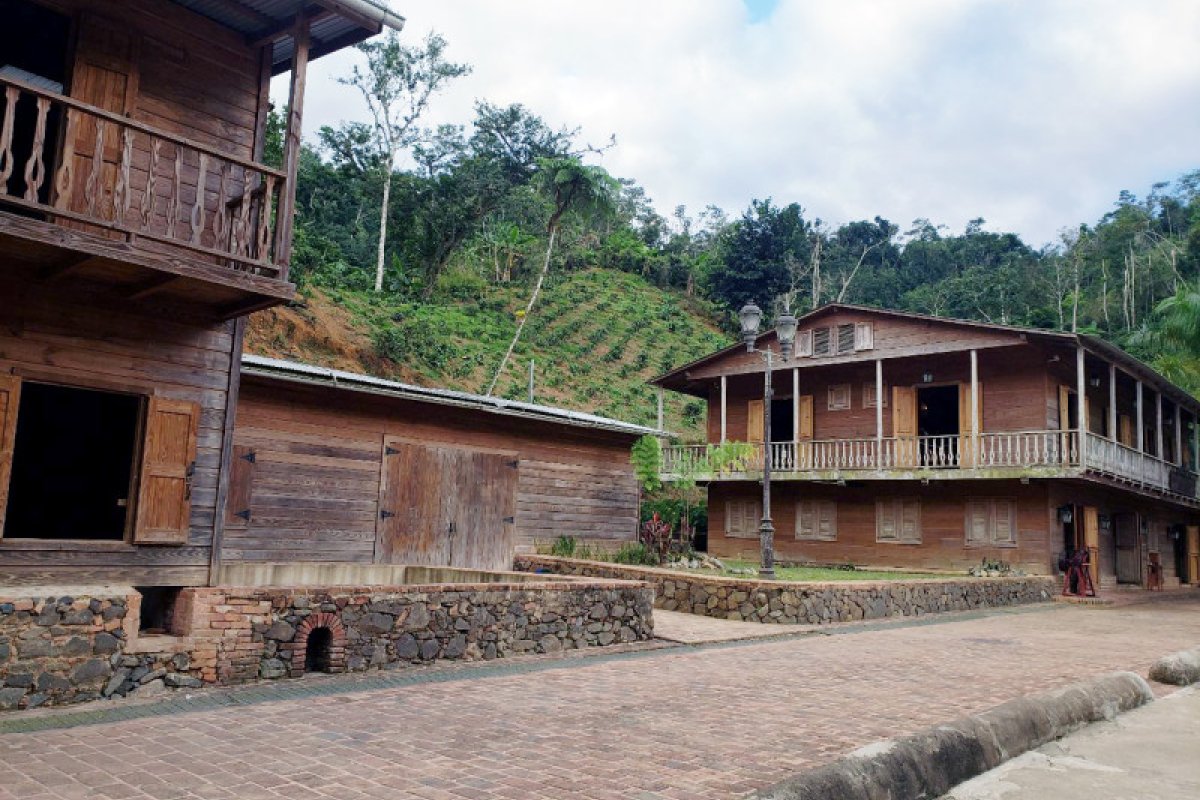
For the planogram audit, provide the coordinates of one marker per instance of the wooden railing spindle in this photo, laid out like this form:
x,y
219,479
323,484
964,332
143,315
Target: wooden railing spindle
x,y
35,167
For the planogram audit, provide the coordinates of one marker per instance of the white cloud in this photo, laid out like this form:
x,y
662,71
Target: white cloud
x,y
1030,114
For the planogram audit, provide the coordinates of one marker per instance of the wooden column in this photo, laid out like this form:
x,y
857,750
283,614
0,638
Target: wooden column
x,y
879,405
1081,403
1112,402
660,402
1140,420
724,416
1195,442
1178,434
291,145
975,401
795,404
1158,426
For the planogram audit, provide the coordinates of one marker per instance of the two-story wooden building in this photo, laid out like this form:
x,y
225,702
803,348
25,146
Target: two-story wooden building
x,y
912,441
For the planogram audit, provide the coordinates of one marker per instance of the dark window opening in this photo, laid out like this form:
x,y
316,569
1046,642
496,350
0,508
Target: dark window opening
x,y
783,420
158,609
34,50
317,655
72,464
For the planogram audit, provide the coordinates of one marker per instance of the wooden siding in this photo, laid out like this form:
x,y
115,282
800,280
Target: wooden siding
x,y
57,334
317,474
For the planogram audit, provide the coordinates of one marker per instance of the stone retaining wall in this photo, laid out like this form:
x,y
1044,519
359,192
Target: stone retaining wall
x,y
805,603
58,650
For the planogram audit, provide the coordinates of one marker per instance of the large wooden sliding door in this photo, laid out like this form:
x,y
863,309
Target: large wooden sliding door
x,y
1129,557
1193,555
446,506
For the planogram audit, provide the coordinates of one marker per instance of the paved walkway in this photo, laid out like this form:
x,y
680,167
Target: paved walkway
x,y
713,721
1152,753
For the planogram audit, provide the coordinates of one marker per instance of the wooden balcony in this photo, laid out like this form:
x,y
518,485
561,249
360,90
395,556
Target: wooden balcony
x,y
110,199
1011,454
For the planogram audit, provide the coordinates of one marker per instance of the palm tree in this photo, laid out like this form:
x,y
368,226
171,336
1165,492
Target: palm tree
x,y
570,185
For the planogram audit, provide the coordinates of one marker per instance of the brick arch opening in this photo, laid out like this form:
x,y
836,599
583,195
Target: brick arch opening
x,y
323,635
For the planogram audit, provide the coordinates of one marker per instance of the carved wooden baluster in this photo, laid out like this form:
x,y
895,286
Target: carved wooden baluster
x,y
6,137
35,167
64,179
243,231
173,204
220,219
151,179
197,219
264,220
121,192
93,187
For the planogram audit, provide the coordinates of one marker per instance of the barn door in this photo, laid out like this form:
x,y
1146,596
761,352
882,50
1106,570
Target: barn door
x,y
1091,540
104,75
966,444
10,397
410,506
1193,554
1129,561
804,431
904,425
482,510
168,466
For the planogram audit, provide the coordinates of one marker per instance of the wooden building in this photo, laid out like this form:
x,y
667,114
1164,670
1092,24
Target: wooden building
x,y
138,224
330,466
911,441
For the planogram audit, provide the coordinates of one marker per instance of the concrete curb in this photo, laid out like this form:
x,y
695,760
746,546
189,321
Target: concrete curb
x,y
930,763
1178,669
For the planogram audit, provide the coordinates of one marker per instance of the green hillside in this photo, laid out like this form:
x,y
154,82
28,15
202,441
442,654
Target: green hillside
x,y
596,336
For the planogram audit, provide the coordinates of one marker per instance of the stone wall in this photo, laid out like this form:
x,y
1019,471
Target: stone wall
x,y
58,650
806,603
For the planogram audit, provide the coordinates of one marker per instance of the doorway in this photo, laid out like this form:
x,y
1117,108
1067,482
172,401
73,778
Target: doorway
x,y
938,425
783,420
1126,537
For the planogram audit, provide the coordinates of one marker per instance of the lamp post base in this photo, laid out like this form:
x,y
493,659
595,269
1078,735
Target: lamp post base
x,y
766,539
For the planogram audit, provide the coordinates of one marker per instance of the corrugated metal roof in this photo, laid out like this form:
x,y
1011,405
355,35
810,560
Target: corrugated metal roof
x,y
342,27
298,372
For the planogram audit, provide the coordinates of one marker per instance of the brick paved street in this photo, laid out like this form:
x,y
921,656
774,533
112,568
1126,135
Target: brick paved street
x,y
708,722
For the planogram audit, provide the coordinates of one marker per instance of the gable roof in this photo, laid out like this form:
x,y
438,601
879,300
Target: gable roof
x,y
678,379
299,373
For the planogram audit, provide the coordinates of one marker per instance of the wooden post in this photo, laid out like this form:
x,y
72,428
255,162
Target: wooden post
x,y
879,408
724,416
795,404
660,399
291,146
1112,401
1081,403
231,402
1195,442
531,394
1141,423
1158,426
1178,434
975,404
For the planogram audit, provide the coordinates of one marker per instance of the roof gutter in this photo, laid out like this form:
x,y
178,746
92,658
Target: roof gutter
x,y
380,15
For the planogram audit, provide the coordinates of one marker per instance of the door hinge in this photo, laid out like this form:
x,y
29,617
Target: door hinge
x,y
244,514
509,520
385,514
390,451
512,464
251,457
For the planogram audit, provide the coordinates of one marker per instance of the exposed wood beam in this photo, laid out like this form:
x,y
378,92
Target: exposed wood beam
x,y
64,266
151,286
291,146
343,11
280,30
244,11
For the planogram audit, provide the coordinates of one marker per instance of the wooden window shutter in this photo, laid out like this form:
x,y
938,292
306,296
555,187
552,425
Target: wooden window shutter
x,y
839,397
845,338
864,336
827,520
868,390
910,520
241,487
754,421
977,522
806,527
804,344
886,529
805,430
168,466
1125,430
1004,522
10,398
822,341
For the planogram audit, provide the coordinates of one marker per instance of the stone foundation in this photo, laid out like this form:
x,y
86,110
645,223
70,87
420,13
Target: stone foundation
x,y
806,603
66,649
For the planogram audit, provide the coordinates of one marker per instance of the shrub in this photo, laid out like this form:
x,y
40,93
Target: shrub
x,y
656,537
635,553
564,546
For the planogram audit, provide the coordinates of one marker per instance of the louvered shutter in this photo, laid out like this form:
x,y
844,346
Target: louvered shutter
x,y
885,521
864,336
977,522
910,520
821,341
10,398
168,466
845,338
1004,522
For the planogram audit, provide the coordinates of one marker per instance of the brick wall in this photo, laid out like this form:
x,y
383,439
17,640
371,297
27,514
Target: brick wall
x,y
806,603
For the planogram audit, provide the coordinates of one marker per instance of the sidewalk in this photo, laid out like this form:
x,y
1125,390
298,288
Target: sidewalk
x,y
1150,753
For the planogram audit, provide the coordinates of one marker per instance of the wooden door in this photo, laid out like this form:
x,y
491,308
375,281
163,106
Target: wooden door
x,y
754,421
1125,430
168,466
446,506
10,398
966,443
1193,554
1129,560
904,425
804,431
1091,540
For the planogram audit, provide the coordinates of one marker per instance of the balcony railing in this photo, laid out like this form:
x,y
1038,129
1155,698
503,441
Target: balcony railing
x,y
1012,450
77,163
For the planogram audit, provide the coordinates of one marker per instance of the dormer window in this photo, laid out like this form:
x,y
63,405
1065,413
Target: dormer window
x,y
837,340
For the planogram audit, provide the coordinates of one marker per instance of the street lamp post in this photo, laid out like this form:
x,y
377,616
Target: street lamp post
x,y
785,330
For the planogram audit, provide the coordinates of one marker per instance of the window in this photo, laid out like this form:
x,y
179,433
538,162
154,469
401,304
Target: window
x,y
804,343
821,342
845,338
841,340
839,397
991,522
816,520
898,520
864,336
95,465
868,391
742,519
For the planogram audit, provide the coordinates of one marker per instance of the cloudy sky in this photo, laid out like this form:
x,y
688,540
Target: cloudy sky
x,y
1030,113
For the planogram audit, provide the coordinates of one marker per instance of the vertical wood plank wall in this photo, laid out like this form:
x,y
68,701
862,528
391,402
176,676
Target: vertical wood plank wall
x,y
317,472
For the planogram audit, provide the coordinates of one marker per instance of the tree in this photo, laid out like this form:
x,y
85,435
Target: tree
x,y
571,185
397,84
759,254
